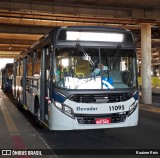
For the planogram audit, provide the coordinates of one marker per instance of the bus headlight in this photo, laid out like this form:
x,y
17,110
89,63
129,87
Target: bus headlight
x,y
65,109
133,107
68,111
58,105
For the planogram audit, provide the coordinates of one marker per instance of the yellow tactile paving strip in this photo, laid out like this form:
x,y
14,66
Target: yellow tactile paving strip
x,y
10,123
15,138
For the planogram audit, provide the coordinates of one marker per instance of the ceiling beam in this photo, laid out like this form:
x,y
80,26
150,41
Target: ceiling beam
x,y
16,36
12,48
16,41
146,15
9,54
19,29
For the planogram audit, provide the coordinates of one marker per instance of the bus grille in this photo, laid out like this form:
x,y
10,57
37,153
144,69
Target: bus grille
x,y
100,98
90,119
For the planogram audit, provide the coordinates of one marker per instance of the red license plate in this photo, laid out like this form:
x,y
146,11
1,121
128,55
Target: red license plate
x,y
103,120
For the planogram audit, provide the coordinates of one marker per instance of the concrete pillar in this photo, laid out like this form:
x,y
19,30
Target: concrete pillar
x,y
146,63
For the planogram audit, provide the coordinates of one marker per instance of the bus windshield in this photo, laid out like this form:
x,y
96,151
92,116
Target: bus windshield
x,y
94,68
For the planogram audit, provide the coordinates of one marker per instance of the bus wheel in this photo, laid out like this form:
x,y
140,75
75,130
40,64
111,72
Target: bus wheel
x,y
37,113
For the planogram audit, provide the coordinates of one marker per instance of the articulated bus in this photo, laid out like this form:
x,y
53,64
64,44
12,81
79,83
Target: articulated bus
x,y
79,78
7,74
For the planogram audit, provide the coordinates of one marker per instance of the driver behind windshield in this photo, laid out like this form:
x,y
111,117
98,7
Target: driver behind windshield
x,y
97,70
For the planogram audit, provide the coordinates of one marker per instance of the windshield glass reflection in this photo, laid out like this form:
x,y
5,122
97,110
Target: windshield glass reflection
x,y
94,68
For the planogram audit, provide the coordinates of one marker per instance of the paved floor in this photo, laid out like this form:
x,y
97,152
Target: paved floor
x,y
15,130
145,136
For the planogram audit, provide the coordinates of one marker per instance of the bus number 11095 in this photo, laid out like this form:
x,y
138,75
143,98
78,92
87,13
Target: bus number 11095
x,y
116,108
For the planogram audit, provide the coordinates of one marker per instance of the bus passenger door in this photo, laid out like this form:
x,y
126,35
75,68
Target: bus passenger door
x,y
48,82
45,84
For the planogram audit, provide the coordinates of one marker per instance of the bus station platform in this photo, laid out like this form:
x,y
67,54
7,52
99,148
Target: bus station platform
x,y
16,133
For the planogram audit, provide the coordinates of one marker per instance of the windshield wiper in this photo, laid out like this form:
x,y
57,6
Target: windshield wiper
x,y
85,54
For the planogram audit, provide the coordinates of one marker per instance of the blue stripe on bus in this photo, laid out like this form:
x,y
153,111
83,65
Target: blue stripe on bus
x,y
136,95
58,97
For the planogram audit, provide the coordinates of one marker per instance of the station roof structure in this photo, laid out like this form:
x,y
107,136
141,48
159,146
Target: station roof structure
x,y
23,22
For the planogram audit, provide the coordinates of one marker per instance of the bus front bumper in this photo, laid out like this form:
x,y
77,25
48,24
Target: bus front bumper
x,y
60,121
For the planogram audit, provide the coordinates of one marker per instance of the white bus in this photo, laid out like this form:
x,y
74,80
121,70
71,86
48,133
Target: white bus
x,y
7,73
79,78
